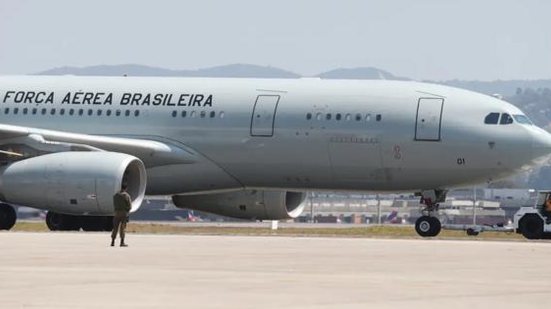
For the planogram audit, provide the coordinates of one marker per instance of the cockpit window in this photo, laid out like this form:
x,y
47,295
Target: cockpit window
x,y
522,119
506,119
492,118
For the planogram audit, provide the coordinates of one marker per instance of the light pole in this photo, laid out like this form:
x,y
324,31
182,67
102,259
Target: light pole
x,y
474,205
378,209
310,196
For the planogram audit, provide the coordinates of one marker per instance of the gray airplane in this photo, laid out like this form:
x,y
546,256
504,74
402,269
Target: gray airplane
x,y
246,148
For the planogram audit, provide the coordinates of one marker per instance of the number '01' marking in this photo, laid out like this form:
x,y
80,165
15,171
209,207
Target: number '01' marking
x,y
460,161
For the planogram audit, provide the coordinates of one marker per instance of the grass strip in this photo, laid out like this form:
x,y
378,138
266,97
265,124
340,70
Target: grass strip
x,y
373,231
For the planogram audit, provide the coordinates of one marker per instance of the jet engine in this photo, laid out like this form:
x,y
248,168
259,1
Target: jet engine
x,y
251,204
79,183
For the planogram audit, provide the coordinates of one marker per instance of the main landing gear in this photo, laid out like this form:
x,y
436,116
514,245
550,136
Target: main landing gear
x,y
59,222
62,222
7,216
428,225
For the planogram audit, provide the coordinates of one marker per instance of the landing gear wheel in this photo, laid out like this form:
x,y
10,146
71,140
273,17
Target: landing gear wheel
x,y
108,224
437,226
92,223
97,223
54,221
62,222
427,226
7,217
531,227
72,223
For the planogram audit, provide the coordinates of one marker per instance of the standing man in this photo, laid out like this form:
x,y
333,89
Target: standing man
x,y
123,204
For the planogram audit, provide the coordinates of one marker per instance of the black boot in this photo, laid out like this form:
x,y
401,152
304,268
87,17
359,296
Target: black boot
x,y
123,244
112,242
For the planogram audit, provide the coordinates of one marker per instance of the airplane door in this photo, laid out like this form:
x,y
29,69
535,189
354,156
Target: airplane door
x,y
429,119
263,117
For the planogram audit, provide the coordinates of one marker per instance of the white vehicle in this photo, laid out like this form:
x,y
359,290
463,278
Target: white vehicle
x,y
534,222
246,148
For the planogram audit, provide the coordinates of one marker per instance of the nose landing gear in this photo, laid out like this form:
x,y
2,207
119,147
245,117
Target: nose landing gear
x,y
429,225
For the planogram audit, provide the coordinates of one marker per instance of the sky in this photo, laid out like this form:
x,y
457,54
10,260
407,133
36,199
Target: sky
x,y
419,39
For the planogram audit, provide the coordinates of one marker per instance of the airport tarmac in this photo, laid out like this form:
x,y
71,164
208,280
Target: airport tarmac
x,y
80,270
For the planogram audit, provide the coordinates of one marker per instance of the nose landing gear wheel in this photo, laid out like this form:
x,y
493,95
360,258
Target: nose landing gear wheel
x,y
427,226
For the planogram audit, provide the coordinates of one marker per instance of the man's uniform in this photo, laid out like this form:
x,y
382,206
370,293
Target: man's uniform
x,y
123,204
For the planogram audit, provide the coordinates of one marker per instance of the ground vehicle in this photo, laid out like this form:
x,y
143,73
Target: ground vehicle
x,y
534,222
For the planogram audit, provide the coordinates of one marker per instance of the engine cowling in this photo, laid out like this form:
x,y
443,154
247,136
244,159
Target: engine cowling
x,y
79,183
252,204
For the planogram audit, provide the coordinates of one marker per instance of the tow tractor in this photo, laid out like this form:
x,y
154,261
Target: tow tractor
x,y
534,222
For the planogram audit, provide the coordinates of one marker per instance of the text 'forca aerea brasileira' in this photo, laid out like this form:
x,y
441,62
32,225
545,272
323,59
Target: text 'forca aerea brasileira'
x,y
108,98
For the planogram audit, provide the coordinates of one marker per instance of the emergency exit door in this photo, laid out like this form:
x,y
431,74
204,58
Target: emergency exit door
x,y
428,125
263,117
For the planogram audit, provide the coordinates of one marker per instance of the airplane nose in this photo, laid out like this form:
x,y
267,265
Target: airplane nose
x,y
541,143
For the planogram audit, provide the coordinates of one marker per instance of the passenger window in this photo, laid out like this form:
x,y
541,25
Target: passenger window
x,y
25,111
308,116
127,113
80,112
368,117
16,110
203,114
328,116
62,111
118,112
108,112
222,114
34,111
99,112
506,119
174,113
184,114
358,117
491,118
318,116
348,117
52,111
90,112
212,114
192,114
6,110
43,111
136,113
338,117
379,117
71,112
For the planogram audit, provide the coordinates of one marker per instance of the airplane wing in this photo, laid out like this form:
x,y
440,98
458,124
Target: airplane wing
x,y
153,153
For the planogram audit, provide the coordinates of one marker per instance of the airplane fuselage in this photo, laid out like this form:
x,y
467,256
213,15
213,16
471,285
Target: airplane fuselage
x,y
293,134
